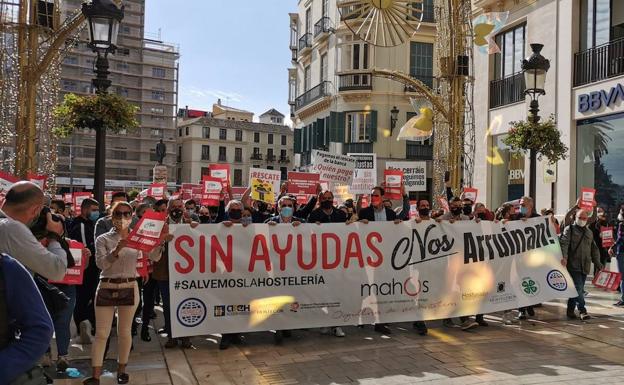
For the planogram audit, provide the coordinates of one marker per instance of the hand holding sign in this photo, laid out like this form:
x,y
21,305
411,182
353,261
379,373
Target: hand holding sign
x,y
148,233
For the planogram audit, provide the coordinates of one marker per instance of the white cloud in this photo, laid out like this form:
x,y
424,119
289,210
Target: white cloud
x,y
204,98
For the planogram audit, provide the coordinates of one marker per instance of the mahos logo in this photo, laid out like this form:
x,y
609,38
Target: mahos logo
x,y
191,312
557,280
411,287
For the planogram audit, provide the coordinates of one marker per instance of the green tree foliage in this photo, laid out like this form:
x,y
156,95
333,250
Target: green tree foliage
x,y
543,137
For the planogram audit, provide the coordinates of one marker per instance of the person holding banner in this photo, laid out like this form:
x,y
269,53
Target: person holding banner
x,y
579,250
527,210
118,290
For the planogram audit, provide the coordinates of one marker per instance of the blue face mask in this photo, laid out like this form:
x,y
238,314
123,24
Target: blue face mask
x,y
246,220
94,216
286,212
523,210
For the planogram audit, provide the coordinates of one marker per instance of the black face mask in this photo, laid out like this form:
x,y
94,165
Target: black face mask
x,y
481,216
262,207
327,205
204,219
423,212
456,211
176,214
467,210
235,214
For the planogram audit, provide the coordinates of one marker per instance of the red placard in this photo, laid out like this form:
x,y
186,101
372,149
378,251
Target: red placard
x,y
146,235
74,275
607,280
238,192
7,180
443,202
108,197
39,180
471,193
68,198
157,190
222,172
302,199
302,182
187,190
394,181
77,199
143,265
587,201
606,234
211,193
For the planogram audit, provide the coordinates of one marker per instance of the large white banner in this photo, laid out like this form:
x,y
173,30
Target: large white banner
x,y
365,173
263,277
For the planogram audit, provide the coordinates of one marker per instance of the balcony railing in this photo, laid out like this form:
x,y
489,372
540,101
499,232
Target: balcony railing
x,y
507,90
270,158
416,151
361,148
284,159
322,26
256,156
355,81
601,62
305,41
313,94
430,81
351,12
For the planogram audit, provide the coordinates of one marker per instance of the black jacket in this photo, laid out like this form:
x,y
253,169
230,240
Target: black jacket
x,y
369,213
75,232
318,215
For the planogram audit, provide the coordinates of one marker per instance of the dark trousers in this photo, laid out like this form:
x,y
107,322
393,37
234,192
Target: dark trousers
x,y
85,296
579,283
149,288
163,286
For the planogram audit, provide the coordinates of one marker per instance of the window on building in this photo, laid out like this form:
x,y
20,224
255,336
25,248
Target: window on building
x,y
71,60
187,131
125,29
601,22
159,72
283,140
421,62
222,154
270,138
239,135
284,172
283,154
308,20
511,43
206,132
205,152
324,67
238,177
325,9
122,66
238,154
70,85
153,156
158,95
179,155
222,134
307,79
157,110
155,133
179,132
122,91
507,176
256,137
426,8
270,154
359,126
269,167
205,171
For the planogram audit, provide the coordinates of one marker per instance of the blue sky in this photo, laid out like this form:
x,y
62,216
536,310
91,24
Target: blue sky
x,y
235,50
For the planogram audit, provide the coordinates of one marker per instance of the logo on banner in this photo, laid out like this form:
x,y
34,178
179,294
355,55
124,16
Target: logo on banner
x,y
530,287
557,280
191,312
294,307
410,287
500,287
231,310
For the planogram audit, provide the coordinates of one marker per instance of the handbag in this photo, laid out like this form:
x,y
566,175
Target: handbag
x,y
115,297
35,376
55,300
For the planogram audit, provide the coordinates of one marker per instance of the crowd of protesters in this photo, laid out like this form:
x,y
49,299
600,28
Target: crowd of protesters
x,y
35,231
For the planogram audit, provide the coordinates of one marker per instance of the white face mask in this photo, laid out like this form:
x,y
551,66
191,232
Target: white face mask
x,y
125,223
580,222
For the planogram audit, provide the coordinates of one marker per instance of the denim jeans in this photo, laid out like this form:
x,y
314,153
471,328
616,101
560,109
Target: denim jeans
x,y
63,320
579,283
163,286
620,264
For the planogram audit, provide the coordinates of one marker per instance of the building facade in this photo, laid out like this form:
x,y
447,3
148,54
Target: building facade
x,y
336,105
584,41
145,72
241,144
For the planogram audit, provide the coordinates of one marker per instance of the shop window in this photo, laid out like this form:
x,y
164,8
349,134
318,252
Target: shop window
x,y
508,172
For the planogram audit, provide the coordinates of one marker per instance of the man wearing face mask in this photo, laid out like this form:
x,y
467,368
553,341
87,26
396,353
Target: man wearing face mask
x,y
424,214
327,213
456,212
175,208
191,210
22,206
82,230
579,250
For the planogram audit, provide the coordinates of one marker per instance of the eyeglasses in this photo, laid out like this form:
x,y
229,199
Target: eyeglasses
x,y
119,214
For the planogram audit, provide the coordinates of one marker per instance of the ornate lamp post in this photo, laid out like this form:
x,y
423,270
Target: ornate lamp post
x,y
534,68
394,116
104,18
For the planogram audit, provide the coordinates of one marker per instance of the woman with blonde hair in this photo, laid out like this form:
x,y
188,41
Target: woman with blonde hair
x,y
118,290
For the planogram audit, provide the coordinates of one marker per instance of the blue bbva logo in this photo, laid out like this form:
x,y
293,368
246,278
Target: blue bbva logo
x,y
595,100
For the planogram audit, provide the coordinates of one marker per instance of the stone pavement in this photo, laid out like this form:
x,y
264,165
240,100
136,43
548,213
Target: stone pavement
x,y
546,349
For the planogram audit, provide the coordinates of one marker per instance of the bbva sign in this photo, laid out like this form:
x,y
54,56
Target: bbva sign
x,y
595,100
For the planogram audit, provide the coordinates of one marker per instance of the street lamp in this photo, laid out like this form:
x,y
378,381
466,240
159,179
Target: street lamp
x,y
103,17
534,68
394,116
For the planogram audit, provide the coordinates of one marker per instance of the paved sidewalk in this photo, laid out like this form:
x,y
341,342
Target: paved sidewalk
x,y
544,350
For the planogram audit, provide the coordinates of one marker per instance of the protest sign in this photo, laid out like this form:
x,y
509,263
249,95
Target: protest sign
x,y
187,190
414,174
333,167
394,181
7,180
145,236
221,171
39,180
211,194
365,173
74,275
341,194
68,197
262,177
587,201
108,197
238,192
77,199
302,182
443,202
607,280
260,277
157,190
470,193
606,235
